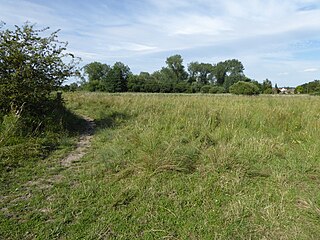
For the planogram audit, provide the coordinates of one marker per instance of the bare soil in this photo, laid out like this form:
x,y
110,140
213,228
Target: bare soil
x,y
83,144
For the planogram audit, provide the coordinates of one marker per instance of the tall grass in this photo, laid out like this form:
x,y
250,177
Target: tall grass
x,y
188,167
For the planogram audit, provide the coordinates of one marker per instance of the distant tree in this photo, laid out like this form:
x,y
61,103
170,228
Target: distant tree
x,y
310,87
70,88
230,68
244,88
220,73
193,70
234,67
102,77
117,78
96,70
175,64
96,73
299,89
165,75
32,66
201,72
136,83
259,85
276,89
266,87
182,87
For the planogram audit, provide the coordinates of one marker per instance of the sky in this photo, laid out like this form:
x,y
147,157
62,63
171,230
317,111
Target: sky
x,y
278,40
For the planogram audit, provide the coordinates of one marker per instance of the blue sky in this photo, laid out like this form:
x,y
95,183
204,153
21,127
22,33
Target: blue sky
x,y
278,40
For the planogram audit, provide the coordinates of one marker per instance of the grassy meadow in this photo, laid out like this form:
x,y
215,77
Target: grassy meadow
x,y
164,166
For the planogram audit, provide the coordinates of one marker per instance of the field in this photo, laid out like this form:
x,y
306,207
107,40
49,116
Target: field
x,y
175,167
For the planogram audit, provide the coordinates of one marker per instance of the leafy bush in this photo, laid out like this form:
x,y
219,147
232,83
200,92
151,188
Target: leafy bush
x,y
31,68
268,91
244,88
205,89
216,89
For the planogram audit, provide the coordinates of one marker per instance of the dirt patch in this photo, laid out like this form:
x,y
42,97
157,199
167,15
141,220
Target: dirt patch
x,y
47,183
83,144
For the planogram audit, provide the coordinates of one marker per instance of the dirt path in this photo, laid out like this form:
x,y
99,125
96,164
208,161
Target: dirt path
x,y
75,155
83,144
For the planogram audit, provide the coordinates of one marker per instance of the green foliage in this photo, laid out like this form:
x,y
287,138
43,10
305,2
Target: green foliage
x,y
70,87
9,127
201,72
309,88
102,77
220,73
259,85
96,71
216,89
230,68
232,79
244,88
170,79
205,89
266,87
31,68
299,89
268,91
175,64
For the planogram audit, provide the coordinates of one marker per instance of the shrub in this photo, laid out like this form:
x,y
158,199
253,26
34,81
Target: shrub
x,y
31,68
216,89
205,88
268,91
244,88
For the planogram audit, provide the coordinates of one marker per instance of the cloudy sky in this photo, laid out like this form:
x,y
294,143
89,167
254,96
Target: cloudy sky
x,y
278,40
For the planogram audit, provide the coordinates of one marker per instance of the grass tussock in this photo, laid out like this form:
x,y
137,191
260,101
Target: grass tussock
x,y
182,167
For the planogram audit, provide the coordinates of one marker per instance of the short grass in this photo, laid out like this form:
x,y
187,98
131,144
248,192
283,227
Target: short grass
x,y
177,167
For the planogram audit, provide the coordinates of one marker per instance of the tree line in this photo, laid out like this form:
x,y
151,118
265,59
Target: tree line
x,y
173,78
309,88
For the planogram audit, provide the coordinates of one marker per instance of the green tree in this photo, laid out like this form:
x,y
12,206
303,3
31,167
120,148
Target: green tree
x,y
117,78
201,72
234,67
220,73
164,75
136,83
175,64
96,72
310,87
299,89
230,68
31,67
266,87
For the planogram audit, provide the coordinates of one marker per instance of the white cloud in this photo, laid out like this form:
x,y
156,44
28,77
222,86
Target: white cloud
x,y
131,47
311,70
